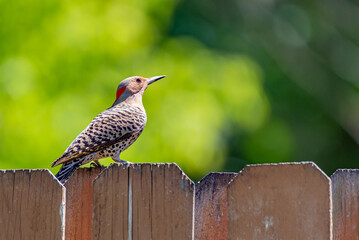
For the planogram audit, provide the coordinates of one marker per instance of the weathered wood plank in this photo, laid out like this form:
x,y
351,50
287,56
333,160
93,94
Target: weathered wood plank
x,y
211,220
345,187
143,201
280,201
79,199
178,194
31,205
110,203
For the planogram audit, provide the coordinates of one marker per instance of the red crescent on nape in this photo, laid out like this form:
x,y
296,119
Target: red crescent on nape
x,y
119,92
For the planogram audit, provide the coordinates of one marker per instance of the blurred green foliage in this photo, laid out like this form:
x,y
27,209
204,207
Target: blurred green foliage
x,y
247,81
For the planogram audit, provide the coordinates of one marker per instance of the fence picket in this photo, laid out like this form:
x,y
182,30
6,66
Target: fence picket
x,y
138,201
32,205
141,199
211,206
345,187
280,201
79,198
110,204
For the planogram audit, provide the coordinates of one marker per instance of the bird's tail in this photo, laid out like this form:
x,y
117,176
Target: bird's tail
x,y
67,169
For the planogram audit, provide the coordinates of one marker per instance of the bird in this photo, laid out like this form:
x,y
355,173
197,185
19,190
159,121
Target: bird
x,y
111,132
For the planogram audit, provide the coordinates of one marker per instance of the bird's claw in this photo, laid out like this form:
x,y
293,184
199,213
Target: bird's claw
x,y
95,164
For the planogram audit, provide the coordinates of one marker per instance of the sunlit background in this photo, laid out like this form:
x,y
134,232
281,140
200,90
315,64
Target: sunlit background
x,y
247,81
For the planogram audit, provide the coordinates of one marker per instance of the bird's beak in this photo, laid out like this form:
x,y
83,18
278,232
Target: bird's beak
x,y
154,79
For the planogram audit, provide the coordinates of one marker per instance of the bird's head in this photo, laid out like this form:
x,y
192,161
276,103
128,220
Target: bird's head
x,y
133,86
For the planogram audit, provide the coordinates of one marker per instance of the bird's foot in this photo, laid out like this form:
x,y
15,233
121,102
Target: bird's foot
x,y
118,160
96,164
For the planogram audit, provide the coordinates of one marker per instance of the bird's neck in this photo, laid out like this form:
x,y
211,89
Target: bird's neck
x,y
130,99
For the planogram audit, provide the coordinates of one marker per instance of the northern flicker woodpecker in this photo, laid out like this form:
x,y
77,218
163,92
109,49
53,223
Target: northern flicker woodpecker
x,y
110,132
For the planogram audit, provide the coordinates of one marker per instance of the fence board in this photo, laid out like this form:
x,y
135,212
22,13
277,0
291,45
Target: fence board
x,y
345,187
31,205
211,206
110,204
172,203
79,198
143,201
280,201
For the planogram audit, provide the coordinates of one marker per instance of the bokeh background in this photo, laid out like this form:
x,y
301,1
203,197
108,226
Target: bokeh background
x,y
259,81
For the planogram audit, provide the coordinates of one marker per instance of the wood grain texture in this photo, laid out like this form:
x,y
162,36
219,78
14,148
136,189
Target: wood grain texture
x,y
345,187
31,205
143,201
280,201
79,202
110,204
211,220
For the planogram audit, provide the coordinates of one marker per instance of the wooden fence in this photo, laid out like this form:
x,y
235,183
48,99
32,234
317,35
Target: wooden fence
x,y
158,201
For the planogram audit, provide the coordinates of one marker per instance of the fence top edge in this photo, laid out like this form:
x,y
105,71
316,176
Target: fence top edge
x,y
215,174
44,170
281,164
344,171
304,163
224,178
129,165
25,170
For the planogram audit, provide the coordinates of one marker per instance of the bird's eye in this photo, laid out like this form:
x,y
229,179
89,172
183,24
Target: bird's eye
x,y
138,80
